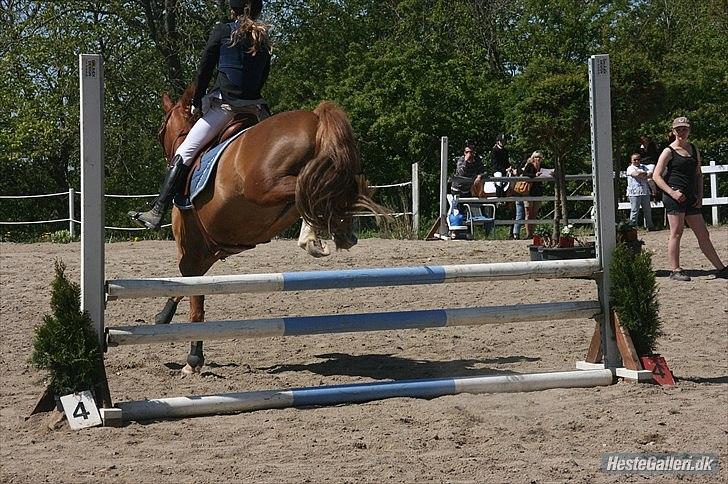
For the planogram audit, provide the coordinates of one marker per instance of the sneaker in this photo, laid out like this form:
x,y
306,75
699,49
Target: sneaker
x,y
720,273
679,275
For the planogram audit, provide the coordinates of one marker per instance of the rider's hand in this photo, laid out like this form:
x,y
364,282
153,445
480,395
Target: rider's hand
x,y
194,110
678,196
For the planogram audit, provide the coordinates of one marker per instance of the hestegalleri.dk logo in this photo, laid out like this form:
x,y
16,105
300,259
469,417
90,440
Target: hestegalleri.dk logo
x,y
659,463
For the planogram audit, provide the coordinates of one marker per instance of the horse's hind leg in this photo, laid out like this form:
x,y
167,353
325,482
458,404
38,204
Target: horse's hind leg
x,y
309,241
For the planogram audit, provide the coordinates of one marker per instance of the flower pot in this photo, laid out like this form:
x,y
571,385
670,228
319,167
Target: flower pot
x,y
537,240
535,252
566,241
557,253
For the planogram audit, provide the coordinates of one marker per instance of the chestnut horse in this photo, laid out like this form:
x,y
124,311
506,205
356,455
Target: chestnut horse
x,y
297,164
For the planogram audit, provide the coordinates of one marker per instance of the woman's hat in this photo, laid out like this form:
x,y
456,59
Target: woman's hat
x,y
256,6
681,121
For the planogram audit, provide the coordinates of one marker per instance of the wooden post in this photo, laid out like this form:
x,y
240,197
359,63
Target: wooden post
x,y
416,199
91,73
604,201
71,211
714,194
443,187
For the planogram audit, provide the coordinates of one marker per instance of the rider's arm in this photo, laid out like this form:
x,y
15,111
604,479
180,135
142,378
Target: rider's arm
x,y
208,62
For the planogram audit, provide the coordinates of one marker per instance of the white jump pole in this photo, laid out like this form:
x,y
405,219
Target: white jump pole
x,y
350,323
176,407
91,73
349,278
604,202
443,186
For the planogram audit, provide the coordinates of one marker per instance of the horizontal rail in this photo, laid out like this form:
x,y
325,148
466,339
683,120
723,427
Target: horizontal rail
x,y
543,198
539,179
349,323
36,222
18,197
198,405
392,185
336,279
706,202
542,221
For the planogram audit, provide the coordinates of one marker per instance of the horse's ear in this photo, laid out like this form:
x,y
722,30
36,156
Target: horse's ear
x,y
167,103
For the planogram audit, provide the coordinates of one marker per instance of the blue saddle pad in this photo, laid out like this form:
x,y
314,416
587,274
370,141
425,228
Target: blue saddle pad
x,y
204,172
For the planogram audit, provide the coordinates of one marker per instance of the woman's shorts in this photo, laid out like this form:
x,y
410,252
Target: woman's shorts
x,y
672,206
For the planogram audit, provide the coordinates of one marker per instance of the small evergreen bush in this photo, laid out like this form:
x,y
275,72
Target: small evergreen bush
x,y
65,344
633,295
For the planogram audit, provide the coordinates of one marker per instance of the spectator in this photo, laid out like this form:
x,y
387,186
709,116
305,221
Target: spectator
x,y
469,170
682,196
647,150
532,169
499,162
638,191
499,156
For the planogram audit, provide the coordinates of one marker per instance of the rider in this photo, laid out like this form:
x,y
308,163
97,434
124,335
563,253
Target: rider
x,y
241,50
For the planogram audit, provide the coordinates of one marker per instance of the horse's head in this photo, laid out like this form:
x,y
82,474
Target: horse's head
x,y
177,122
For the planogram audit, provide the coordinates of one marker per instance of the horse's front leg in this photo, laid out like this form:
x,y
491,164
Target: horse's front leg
x,y
309,241
195,358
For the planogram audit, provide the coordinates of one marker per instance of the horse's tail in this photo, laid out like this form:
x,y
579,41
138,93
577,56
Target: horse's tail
x,y
330,187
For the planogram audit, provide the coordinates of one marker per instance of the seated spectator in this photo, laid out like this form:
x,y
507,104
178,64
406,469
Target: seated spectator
x,y
638,191
469,170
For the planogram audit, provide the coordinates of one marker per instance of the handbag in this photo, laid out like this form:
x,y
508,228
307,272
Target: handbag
x,y
522,187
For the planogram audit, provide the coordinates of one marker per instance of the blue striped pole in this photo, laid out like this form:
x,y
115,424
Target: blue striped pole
x,y
336,279
348,323
176,407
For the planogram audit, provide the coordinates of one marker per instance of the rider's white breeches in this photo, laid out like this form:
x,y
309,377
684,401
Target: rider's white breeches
x,y
206,128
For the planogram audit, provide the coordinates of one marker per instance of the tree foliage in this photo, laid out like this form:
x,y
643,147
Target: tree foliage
x,y
66,346
407,72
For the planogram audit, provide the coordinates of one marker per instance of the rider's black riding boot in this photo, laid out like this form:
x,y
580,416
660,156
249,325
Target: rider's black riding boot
x,y
173,182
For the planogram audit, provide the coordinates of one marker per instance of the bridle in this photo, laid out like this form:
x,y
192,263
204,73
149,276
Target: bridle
x,y
177,140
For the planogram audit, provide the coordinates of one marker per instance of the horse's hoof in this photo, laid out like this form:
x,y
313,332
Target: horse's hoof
x,y
190,370
317,248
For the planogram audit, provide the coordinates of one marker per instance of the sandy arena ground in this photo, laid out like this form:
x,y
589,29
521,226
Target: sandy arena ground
x,y
555,435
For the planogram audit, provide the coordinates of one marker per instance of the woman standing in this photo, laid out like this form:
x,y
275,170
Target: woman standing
x,y
682,196
638,191
532,169
241,52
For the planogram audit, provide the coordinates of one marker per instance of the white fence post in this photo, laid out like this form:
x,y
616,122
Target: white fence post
x,y
603,169
91,75
443,187
416,199
714,193
71,211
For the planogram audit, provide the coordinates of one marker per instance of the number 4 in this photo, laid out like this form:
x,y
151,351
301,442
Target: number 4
x,y
81,411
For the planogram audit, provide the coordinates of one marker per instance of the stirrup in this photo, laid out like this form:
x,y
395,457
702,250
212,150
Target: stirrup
x,y
150,219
